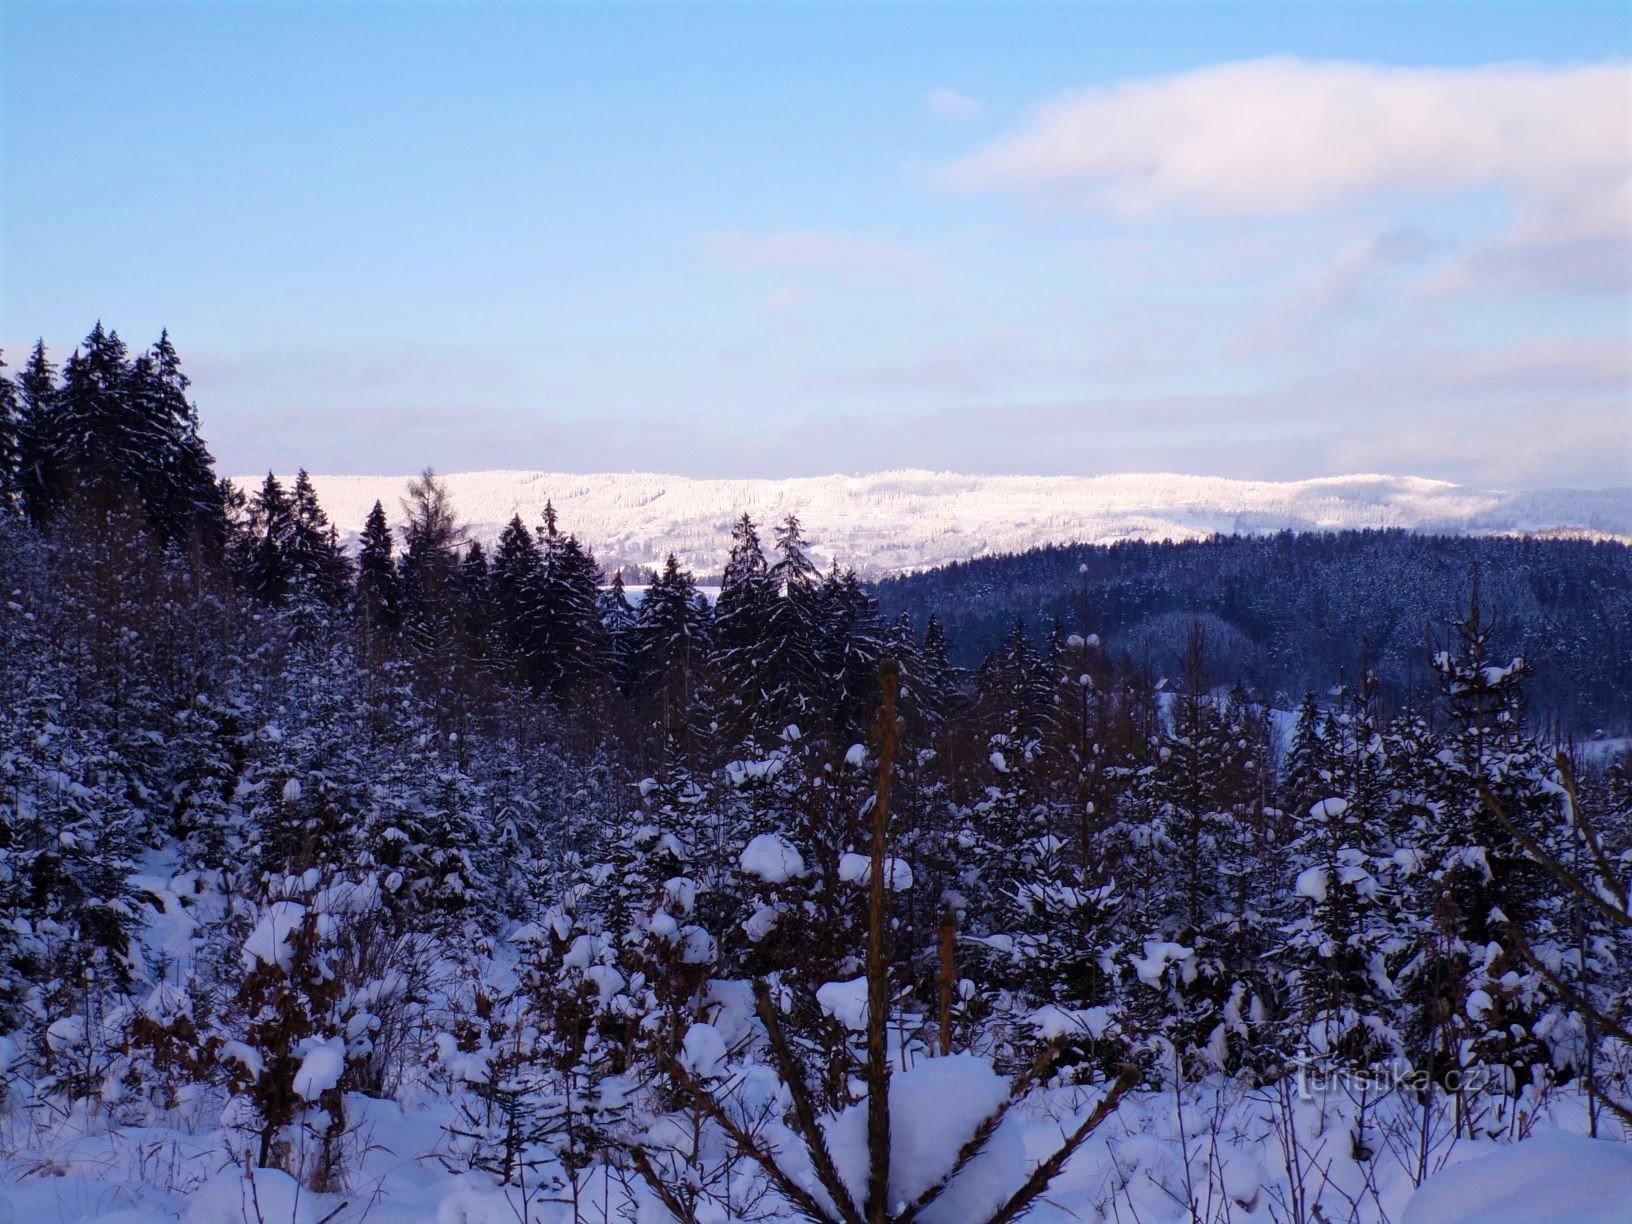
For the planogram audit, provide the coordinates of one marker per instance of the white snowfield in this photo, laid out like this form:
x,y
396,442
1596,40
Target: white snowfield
x,y
891,522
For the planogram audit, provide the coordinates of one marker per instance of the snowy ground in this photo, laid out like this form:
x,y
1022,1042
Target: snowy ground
x,y
1224,1150
1215,1151
909,520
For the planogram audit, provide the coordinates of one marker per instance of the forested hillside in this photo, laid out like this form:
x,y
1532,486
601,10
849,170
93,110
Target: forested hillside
x,y
442,881
1287,614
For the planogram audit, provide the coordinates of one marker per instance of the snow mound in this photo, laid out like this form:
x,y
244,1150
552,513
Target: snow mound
x,y
1554,1177
934,1109
858,869
231,1197
772,859
846,1002
320,1069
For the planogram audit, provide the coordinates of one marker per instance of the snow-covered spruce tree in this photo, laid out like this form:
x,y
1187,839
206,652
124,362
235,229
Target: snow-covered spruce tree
x,y
1473,1001
741,627
788,676
513,584
1306,773
206,818
112,429
852,643
1194,903
1586,973
619,617
69,911
312,551
1342,945
179,492
856,1156
568,636
427,836
670,655
428,578
265,567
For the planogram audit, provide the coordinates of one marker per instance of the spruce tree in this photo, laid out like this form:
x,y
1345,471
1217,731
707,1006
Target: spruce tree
x,y
37,397
312,555
742,617
514,584
10,443
269,572
377,596
619,618
570,639
671,650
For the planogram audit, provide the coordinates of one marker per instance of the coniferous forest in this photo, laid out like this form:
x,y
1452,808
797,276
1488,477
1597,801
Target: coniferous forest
x,y
416,879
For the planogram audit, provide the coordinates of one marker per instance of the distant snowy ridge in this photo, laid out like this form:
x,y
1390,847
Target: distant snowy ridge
x,y
909,520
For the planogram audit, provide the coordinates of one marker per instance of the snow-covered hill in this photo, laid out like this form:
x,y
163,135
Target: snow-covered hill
x,y
907,520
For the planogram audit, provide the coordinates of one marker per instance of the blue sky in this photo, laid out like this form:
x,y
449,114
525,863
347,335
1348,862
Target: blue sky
x,y
1267,241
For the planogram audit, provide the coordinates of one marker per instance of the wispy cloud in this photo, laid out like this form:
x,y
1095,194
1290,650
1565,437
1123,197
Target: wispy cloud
x,y
1342,284
947,103
1283,137
825,251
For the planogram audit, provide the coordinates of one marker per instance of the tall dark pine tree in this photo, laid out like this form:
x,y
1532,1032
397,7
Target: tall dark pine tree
x,y
376,594
175,477
789,673
429,567
514,588
87,443
619,617
852,643
671,646
268,571
571,641
741,625
10,452
116,429
313,553
37,393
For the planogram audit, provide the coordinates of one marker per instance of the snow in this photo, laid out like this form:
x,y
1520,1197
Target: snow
x,y
232,1197
846,1002
1052,1020
66,1034
858,869
898,520
269,941
857,756
1479,1004
1554,1177
1312,883
761,922
320,1068
1159,954
246,1056
704,1051
772,859
934,1109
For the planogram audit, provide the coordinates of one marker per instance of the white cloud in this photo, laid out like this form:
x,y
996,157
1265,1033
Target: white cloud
x,y
1281,137
825,251
946,103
